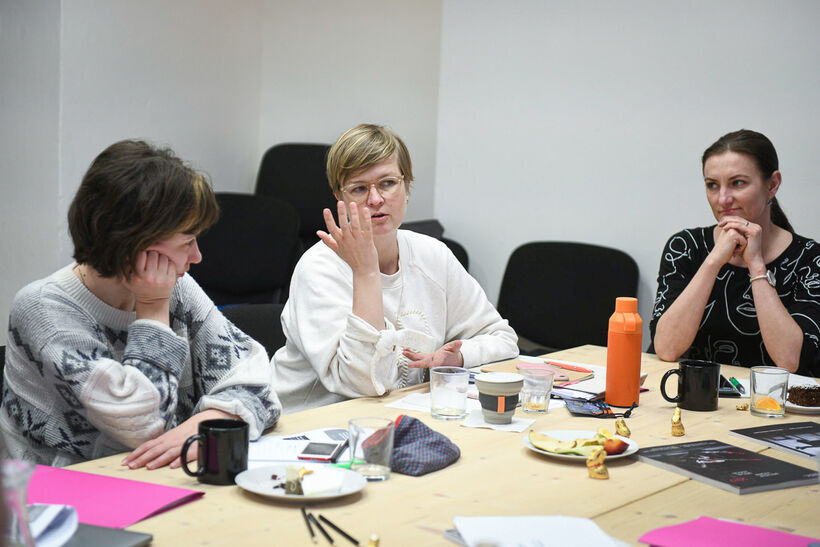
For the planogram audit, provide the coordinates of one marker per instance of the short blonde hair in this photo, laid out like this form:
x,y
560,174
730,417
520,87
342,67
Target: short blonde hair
x,y
361,147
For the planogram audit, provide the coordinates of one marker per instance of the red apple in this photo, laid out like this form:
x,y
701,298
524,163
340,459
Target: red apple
x,y
614,446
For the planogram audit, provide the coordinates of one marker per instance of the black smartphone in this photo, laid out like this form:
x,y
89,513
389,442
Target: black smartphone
x,y
323,452
726,389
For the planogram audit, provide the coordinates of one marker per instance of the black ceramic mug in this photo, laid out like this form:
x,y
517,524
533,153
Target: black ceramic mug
x,y
223,451
698,383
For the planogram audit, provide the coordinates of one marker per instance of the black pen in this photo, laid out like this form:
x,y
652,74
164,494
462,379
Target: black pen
x,y
347,536
310,528
321,528
737,385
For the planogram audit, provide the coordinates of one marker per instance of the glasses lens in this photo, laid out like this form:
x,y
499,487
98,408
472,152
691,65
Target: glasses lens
x,y
387,188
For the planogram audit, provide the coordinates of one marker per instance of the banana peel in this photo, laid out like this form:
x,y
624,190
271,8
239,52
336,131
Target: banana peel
x,y
579,447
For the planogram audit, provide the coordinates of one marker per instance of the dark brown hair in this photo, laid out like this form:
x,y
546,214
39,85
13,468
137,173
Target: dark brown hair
x,y
133,196
758,147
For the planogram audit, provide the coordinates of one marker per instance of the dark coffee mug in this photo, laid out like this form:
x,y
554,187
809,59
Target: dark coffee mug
x,y
223,451
698,383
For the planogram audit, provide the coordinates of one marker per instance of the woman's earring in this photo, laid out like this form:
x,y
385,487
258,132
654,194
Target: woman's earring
x,y
768,202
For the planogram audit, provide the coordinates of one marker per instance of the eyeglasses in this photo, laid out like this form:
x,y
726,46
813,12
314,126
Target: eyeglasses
x,y
387,187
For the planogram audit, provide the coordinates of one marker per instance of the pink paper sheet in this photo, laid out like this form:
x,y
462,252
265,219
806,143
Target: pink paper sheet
x,y
104,501
709,532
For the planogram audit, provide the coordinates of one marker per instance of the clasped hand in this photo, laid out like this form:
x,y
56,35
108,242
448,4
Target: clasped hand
x,y
352,240
738,237
448,355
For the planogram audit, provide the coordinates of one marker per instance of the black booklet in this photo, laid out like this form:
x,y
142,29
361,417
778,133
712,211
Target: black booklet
x,y
728,467
801,438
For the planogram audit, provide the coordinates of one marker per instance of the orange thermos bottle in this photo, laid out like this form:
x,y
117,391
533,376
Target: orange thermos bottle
x,y
623,353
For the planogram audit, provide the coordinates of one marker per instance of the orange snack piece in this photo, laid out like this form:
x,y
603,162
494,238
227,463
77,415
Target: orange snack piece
x,y
768,403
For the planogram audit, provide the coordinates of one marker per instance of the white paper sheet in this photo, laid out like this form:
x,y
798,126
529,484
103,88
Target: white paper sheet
x,y
422,402
286,448
532,531
476,419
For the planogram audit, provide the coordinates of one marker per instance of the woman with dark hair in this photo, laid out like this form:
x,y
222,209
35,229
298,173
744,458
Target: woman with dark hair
x,y
745,291
122,349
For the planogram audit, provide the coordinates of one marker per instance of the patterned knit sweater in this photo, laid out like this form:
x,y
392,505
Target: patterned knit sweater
x,y
84,380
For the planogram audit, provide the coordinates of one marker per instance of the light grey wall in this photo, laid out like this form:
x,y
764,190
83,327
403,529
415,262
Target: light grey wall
x,y
218,81
29,144
586,121
183,73
80,75
330,65
527,120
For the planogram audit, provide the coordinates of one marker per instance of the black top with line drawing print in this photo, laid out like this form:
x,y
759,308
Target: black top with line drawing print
x,y
729,332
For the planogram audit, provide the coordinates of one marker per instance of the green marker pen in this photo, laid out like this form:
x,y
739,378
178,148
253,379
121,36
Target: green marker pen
x,y
737,385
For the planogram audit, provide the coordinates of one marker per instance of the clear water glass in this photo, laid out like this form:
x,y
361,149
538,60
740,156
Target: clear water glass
x,y
371,447
768,391
535,394
15,476
448,392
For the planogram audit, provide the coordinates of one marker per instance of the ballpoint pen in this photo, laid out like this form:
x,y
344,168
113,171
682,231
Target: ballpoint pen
x,y
737,385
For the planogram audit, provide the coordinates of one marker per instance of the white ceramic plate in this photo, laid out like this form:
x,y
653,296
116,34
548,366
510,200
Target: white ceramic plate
x,y
797,409
259,481
572,434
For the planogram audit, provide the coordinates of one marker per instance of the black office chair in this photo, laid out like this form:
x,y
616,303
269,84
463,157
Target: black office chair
x,y
250,253
295,173
262,322
433,228
458,250
560,294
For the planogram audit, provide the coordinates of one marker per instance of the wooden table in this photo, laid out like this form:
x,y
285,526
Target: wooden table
x,y
496,475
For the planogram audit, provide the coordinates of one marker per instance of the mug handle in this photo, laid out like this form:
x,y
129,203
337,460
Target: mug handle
x,y
184,460
669,373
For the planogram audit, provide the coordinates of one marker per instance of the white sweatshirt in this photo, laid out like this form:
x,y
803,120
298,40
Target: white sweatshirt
x,y
332,355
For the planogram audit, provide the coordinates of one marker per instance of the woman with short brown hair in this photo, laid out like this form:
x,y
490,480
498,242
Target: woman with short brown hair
x,y
122,349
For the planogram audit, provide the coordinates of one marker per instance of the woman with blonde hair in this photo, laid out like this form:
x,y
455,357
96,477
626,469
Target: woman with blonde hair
x,y
371,305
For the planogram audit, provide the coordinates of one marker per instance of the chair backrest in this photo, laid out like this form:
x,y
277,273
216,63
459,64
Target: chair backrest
x,y
561,294
458,250
249,254
262,322
295,173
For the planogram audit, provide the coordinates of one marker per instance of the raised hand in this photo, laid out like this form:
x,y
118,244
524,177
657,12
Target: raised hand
x,y
352,240
448,355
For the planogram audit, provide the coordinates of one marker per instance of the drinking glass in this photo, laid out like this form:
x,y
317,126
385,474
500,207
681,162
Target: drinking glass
x,y
448,392
535,394
15,476
768,396
371,446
